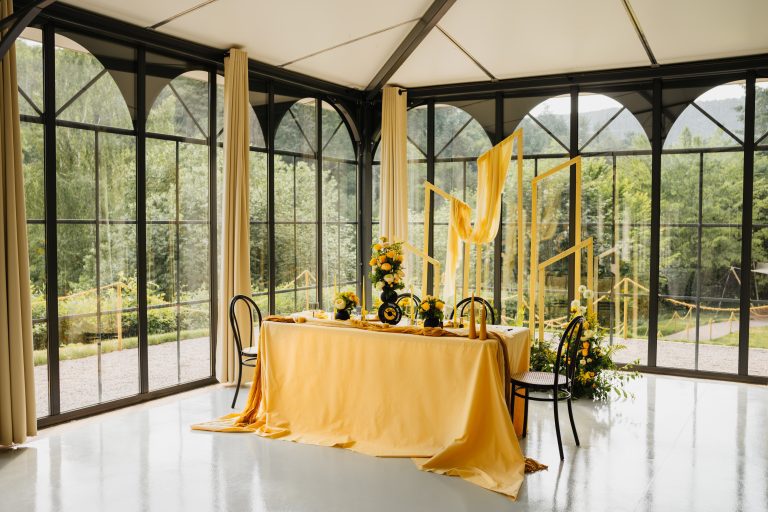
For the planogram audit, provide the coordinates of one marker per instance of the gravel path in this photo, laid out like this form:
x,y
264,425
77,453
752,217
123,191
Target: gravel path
x,y
716,358
120,373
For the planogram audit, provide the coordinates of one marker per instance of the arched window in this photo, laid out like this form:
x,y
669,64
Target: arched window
x,y
258,191
546,142
315,192
96,243
616,213
459,140
760,229
178,224
700,252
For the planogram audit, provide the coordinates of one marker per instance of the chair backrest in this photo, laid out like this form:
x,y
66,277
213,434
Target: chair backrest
x,y
568,349
490,315
236,331
401,301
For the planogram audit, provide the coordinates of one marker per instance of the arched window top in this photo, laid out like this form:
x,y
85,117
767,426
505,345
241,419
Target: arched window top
x,y
297,129
181,107
547,127
86,92
761,111
257,100
607,125
337,142
714,119
458,134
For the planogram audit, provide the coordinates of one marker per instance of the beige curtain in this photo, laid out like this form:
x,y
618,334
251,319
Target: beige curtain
x,y
393,204
17,384
235,251
491,175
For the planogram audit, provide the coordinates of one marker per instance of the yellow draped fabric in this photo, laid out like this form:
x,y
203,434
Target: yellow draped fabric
x,y
393,204
491,175
17,385
235,250
439,399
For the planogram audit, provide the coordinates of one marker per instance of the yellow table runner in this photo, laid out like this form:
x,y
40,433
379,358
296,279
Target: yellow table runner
x,y
437,399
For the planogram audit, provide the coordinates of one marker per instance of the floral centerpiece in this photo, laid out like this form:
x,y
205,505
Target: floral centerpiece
x,y
432,311
387,268
344,303
597,376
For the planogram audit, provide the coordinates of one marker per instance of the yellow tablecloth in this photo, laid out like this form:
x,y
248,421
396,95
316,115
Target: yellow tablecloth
x,y
437,400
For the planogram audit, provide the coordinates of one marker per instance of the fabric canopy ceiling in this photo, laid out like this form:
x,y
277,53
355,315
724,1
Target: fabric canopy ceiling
x,y
349,41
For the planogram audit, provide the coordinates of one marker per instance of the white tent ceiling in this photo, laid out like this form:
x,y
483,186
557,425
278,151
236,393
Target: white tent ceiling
x,y
349,41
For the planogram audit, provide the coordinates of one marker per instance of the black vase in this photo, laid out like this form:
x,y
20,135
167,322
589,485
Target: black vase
x,y
388,294
432,321
342,314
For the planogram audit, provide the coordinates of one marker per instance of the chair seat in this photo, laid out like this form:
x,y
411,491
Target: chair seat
x,y
251,351
539,379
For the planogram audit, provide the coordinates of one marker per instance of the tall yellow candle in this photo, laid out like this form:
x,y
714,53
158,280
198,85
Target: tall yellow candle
x,y
362,303
455,313
472,328
413,306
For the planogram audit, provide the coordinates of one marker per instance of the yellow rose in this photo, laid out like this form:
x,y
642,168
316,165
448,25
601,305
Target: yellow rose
x,y
377,247
585,345
386,266
372,262
584,352
586,326
425,306
400,257
391,255
382,259
440,305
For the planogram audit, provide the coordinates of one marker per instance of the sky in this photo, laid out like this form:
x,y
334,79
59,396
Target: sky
x,y
592,102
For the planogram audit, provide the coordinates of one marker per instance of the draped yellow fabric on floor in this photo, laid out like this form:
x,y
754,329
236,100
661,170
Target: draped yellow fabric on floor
x,y
235,251
17,385
491,175
438,400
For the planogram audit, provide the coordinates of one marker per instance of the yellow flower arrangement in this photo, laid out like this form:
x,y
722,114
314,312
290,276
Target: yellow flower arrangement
x,y
386,264
345,301
432,308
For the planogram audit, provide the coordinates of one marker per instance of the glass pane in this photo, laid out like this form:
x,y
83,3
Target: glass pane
x,y
75,173
193,182
719,336
86,92
680,188
722,188
181,105
761,111
758,327
297,131
29,66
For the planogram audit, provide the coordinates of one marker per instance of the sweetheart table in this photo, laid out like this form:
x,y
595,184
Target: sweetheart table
x,y
438,400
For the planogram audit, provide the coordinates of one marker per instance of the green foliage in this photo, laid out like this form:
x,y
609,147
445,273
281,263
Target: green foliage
x,y
597,376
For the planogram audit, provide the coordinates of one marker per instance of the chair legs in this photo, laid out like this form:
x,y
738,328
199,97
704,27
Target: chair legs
x,y
573,424
237,389
557,428
525,414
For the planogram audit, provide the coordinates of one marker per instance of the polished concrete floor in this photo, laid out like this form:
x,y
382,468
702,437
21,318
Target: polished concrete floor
x,y
681,445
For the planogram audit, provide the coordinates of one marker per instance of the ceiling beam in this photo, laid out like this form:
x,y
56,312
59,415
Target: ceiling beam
x,y
19,21
639,32
431,17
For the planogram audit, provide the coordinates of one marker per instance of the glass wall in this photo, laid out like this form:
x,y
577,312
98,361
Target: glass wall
x,y
758,324
700,253
546,138
315,190
178,229
29,60
95,225
616,208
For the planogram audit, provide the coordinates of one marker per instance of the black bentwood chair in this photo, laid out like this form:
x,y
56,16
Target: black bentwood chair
x,y
403,300
246,356
558,383
490,316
